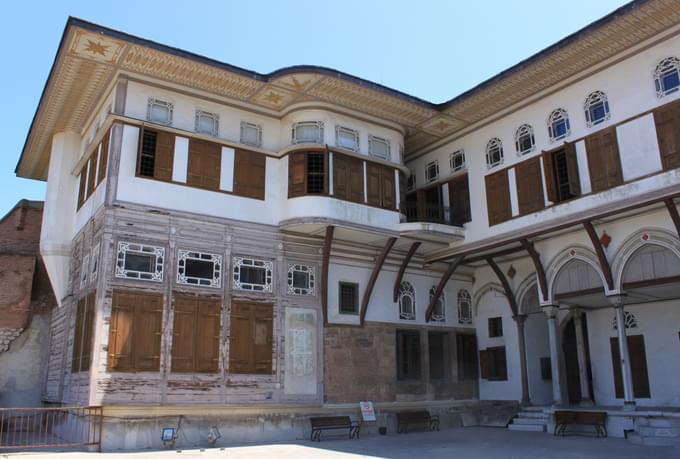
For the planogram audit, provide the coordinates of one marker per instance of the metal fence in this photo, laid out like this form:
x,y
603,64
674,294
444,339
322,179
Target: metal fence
x,y
63,427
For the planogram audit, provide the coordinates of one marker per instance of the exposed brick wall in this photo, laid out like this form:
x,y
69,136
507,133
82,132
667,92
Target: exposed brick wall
x,y
360,364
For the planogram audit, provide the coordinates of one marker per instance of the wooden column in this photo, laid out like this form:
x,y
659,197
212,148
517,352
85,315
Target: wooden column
x,y
506,286
673,211
402,269
324,272
374,276
440,287
601,256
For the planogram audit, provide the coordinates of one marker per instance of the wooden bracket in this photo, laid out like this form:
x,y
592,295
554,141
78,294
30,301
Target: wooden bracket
x,y
324,271
538,266
673,211
402,269
599,251
440,287
374,276
506,286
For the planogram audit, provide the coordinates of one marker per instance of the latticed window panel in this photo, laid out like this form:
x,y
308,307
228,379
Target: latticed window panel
x,y
140,261
147,160
558,124
596,108
251,134
253,275
432,171
347,138
316,174
667,76
407,301
378,147
494,152
439,310
457,161
629,320
524,139
301,279
207,123
159,111
198,268
464,307
307,132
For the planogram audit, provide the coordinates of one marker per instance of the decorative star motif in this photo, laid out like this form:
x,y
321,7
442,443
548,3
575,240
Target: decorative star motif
x,y
297,85
273,97
96,47
440,126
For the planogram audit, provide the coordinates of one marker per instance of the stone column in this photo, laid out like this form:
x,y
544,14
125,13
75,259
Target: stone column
x,y
626,373
554,338
586,398
520,320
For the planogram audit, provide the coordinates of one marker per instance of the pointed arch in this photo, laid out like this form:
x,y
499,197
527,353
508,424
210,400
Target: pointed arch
x,y
479,293
575,252
524,290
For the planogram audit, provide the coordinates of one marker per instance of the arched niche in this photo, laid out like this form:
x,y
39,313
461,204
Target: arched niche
x,y
578,283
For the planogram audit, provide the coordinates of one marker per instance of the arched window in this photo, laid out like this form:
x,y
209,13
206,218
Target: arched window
x,y
464,307
596,108
439,310
558,125
667,76
407,301
524,139
494,152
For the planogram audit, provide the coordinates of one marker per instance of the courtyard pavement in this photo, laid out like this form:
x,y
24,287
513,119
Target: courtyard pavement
x,y
461,443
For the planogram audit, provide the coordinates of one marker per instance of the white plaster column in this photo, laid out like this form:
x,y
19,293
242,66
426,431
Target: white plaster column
x,y
520,320
554,338
626,373
586,398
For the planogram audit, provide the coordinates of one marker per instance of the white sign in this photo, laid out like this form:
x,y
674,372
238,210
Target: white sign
x,y
367,412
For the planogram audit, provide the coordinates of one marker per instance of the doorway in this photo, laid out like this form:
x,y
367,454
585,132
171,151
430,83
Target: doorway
x,y
571,365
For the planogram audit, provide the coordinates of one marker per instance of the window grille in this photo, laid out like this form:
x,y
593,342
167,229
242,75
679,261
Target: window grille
x,y
251,134
253,275
198,268
139,261
596,108
407,301
558,125
464,307
308,132
494,152
159,111
524,139
457,161
439,310
378,147
667,76
301,279
432,171
347,138
207,123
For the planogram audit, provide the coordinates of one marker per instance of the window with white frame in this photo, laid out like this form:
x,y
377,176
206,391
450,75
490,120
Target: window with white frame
x,y
439,309
411,181
457,161
94,263
253,275
84,269
199,268
596,108
667,76
432,171
347,138
407,301
494,152
251,134
524,139
301,279
207,123
558,125
378,147
464,307
308,132
159,111
140,261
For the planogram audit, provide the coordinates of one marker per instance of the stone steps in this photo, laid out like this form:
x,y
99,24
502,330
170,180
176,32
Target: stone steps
x,y
530,419
656,432
526,427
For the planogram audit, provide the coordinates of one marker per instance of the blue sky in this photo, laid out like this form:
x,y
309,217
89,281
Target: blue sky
x,y
430,49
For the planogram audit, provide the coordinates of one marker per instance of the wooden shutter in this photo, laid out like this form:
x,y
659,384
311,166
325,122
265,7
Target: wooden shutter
x,y
147,332
78,335
263,332
296,174
572,169
667,120
498,197
402,187
164,156
459,200
120,332
249,174
549,175
373,185
91,174
604,164
388,190
104,157
500,364
484,364
638,366
81,186
340,176
88,332
183,334
356,180
208,336
204,164
251,338
529,186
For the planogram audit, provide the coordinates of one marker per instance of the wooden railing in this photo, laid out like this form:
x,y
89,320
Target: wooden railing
x,y
429,213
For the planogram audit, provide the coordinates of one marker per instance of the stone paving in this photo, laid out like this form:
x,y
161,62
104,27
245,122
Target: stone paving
x,y
462,443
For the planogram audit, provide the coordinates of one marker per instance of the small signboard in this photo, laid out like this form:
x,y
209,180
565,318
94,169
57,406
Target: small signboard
x,y
367,412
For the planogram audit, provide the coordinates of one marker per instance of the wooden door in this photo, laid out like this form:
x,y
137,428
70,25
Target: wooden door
x,y
638,366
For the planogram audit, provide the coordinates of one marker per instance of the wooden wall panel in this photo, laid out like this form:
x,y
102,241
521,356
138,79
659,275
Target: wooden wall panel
x,y
529,186
498,197
604,163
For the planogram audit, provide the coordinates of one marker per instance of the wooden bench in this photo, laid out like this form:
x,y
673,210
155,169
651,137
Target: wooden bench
x,y
596,419
422,418
319,424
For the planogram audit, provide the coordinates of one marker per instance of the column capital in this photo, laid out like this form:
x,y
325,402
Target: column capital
x,y
550,310
616,300
519,318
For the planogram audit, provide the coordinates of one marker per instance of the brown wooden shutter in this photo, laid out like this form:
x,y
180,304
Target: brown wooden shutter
x,y
498,197
165,152
120,332
667,120
484,364
373,185
208,336
104,157
81,187
204,165
92,174
78,335
296,174
356,180
459,199
604,163
240,338
529,186
147,332
249,174
88,332
549,174
638,366
340,176
388,188
263,334
402,187
183,334
572,169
